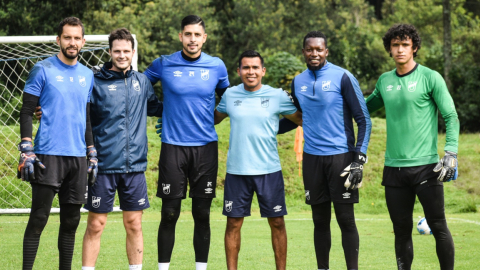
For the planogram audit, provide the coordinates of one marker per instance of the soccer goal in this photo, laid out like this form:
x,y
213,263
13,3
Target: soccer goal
x,y
17,57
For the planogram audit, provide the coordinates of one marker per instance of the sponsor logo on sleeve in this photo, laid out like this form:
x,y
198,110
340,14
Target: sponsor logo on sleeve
x,y
228,205
96,201
205,74
136,85
326,85
166,188
82,81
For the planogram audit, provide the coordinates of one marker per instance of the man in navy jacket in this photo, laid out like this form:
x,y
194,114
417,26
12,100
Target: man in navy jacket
x,y
121,100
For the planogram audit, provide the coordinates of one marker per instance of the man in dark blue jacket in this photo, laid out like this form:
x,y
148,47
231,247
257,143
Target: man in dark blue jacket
x,y
120,102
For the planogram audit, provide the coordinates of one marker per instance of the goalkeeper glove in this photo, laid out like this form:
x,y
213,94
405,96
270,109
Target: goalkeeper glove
x,y
354,171
92,165
28,158
447,167
159,127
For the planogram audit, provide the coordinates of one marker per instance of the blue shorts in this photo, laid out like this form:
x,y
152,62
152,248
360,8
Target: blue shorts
x,y
132,192
239,190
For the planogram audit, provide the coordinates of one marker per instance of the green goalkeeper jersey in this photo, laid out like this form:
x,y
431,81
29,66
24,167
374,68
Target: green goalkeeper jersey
x,y
411,103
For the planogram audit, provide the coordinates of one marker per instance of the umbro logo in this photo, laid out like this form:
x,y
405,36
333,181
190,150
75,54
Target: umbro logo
x,y
346,195
177,73
237,103
389,88
208,190
277,208
59,78
304,88
141,201
112,87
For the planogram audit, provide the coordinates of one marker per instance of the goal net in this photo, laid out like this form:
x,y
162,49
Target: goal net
x,y
17,57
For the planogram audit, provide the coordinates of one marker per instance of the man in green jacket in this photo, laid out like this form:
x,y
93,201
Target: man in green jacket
x,y
412,95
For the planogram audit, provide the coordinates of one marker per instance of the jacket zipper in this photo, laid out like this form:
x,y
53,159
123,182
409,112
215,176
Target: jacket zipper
x,y
315,75
126,123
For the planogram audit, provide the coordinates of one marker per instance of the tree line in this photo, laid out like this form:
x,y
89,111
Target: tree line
x,y
276,29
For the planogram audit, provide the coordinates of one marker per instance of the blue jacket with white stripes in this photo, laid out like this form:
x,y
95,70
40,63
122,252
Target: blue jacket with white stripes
x,y
120,103
329,98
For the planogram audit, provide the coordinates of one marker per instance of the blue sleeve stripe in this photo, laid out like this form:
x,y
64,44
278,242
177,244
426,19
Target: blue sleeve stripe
x,y
354,97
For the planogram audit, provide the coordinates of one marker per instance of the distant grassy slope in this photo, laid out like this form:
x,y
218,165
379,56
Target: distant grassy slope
x,y
462,195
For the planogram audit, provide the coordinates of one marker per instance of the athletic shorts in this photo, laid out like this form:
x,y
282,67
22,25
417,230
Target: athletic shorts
x,y
66,175
239,190
197,165
417,177
132,192
322,180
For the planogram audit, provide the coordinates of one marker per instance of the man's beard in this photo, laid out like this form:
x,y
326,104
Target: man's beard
x,y
315,68
119,67
64,51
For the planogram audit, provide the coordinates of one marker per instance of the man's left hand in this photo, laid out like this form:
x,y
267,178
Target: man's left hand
x,y
92,165
447,167
354,172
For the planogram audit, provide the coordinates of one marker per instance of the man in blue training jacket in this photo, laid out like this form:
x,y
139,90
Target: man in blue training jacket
x,y
329,97
189,152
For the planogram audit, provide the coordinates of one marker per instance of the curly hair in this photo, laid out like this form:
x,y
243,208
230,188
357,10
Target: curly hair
x,y
402,31
315,34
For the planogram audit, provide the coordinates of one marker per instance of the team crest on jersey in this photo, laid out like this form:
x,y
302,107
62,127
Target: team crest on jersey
x,y
82,81
389,88
326,85
166,188
205,74
412,86
228,206
191,73
307,195
265,102
71,79
399,87
303,88
96,201
136,85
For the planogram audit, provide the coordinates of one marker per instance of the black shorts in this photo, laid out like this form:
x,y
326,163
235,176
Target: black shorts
x,y
417,177
196,164
322,180
66,175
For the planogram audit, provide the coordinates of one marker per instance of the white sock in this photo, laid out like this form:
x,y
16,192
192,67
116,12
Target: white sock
x,y
163,266
88,267
200,266
135,267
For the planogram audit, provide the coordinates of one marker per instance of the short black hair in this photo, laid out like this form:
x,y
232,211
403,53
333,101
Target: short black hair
x,y
192,19
120,34
315,34
402,31
249,54
73,21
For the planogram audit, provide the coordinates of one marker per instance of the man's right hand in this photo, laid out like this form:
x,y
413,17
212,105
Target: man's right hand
x,y
25,169
159,127
38,113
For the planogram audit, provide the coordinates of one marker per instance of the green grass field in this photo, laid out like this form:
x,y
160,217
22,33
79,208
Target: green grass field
x,y
376,243
462,199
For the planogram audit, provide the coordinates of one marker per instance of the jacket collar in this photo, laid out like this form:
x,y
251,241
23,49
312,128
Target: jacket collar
x,y
107,74
317,73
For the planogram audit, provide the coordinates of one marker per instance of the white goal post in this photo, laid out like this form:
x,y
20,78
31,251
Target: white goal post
x,y
18,54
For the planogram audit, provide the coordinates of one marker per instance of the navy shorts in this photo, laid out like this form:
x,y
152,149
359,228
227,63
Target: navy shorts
x,y
322,180
132,192
239,190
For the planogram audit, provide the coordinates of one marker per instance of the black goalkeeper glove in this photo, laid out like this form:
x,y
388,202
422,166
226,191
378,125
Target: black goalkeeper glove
x,y
354,171
447,167
28,158
92,165
159,127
